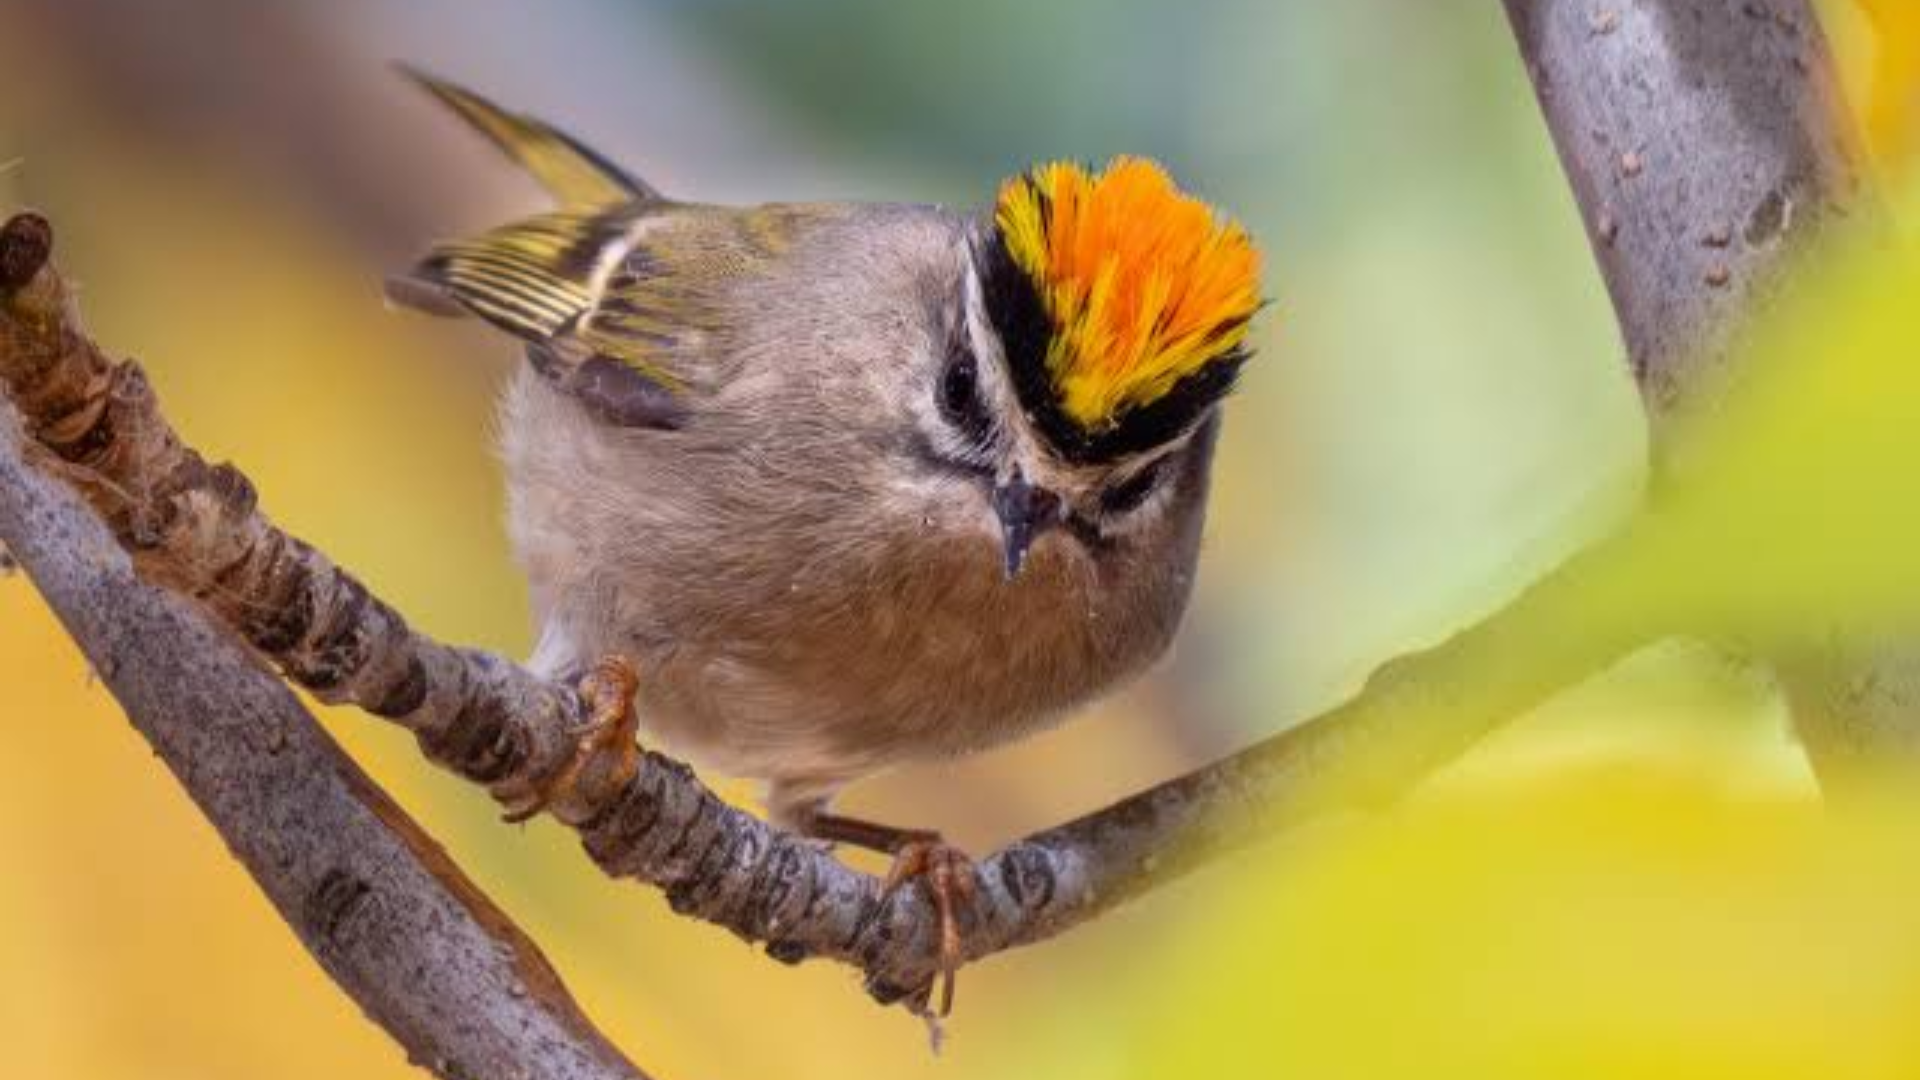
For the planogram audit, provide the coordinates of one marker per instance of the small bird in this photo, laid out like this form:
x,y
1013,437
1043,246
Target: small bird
x,y
847,485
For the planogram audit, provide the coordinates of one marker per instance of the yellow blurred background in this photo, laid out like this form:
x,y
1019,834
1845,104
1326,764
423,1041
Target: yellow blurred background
x,y
1634,880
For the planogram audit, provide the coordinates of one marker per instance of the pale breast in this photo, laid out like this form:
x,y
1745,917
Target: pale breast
x,y
776,642
924,651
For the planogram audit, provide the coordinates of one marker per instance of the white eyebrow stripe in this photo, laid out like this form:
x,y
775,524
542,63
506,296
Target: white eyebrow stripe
x,y
1020,441
972,305
987,348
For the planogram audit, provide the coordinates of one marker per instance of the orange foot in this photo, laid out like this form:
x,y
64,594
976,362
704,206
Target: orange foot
x,y
918,854
611,728
949,876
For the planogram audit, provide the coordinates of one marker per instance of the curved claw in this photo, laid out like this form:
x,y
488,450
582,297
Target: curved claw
x,y
949,876
612,727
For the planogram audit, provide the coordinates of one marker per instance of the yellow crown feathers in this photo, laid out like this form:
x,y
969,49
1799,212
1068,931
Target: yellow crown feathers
x,y
1144,285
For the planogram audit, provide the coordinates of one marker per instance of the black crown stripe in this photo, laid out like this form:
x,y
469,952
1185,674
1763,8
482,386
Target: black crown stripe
x,y
1019,316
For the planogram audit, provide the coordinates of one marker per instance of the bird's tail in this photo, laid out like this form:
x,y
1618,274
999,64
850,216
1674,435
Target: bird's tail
x,y
577,177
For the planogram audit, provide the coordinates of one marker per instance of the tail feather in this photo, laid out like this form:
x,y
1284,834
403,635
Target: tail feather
x,y
575,175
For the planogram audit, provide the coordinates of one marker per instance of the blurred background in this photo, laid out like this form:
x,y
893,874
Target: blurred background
x,y
1439,412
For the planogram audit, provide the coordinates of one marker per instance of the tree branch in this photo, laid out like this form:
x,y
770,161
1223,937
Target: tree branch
x,y
375,901
1705,142
1708,145
196,529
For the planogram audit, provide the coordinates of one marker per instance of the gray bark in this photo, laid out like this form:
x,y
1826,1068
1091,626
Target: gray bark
x,y
375,901
1708,147
1704,144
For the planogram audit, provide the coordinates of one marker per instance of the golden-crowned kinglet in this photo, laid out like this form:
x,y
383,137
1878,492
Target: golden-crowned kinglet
x,y
850,485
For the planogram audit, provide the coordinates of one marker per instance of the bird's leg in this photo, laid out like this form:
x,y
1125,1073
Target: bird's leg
x,y
611,729
918,854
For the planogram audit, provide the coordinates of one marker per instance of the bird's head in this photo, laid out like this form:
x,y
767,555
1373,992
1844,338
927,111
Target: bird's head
x,y
1105,316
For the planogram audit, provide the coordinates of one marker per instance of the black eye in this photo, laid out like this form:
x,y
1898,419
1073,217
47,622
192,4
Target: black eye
x,y
959,395
959,387
1131,492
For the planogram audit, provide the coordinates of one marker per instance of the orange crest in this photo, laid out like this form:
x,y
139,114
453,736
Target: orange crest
x,y
1144,285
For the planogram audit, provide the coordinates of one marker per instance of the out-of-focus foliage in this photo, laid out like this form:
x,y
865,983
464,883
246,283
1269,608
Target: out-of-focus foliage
x,y
1802,507
1438,414
1682,917
1878,44
1893,102
1642,923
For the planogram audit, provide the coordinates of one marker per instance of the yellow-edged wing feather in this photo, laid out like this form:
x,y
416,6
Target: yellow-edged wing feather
x,y
535,277
542,277
677,290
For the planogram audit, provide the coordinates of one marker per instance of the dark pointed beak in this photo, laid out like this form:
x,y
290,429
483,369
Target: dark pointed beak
x,y
1026,512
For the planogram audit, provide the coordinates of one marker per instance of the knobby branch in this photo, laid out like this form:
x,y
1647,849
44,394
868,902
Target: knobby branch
x,y
197,529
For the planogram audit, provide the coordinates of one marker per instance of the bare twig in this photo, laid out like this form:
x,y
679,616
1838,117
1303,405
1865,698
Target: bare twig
x,y
1730,117
371,896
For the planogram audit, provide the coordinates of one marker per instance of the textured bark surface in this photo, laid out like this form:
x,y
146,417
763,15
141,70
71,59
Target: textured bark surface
x,y
1707,145
1705,142
375,901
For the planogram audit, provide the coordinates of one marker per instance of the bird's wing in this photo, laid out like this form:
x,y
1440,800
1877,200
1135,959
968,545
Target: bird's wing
x,y
534,278
538,278
677,289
